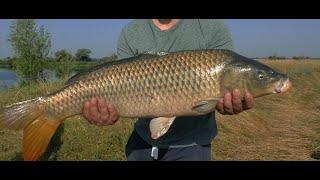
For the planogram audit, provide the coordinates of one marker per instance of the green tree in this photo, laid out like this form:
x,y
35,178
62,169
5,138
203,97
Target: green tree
x,y
6,62
83,54
64,63
31,45
63,55
113,57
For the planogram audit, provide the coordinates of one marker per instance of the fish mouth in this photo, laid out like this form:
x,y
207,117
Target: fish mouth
x,y
283,86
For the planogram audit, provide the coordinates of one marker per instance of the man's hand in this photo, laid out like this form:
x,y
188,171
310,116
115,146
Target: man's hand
x,y
233,104
97,112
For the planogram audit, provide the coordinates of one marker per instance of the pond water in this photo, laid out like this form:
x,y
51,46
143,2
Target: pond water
x,y
9,78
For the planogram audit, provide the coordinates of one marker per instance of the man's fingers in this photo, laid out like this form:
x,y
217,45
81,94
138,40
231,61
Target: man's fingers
x,y
85,110
113,114
236,101
97,112
93,110
219,106
104,118
93,101
227,103
102,106
248,101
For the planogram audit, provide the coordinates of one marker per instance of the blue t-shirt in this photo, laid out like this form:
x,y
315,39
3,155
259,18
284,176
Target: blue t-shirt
x,y
140,36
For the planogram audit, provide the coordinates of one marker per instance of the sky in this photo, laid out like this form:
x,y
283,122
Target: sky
x,y
252,37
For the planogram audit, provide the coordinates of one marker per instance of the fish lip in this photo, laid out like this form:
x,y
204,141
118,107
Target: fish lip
x,y
283,86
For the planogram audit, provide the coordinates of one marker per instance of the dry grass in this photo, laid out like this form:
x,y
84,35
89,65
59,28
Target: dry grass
x,y
279,127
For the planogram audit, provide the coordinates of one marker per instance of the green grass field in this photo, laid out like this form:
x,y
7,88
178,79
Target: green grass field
x,y
279,127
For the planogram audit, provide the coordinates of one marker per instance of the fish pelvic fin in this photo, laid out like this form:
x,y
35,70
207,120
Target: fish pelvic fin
x,y
37,136
159,126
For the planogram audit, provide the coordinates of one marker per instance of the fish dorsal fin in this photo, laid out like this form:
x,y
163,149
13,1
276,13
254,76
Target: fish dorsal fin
x,y
154,54
159,126
142,56
77,76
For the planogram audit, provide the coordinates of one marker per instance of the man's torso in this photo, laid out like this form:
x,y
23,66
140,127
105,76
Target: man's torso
x,y
143,36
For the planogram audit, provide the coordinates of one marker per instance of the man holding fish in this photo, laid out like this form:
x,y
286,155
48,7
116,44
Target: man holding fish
x,y
188,138
173,75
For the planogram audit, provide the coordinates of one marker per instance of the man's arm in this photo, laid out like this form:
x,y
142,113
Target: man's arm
x,y
218,35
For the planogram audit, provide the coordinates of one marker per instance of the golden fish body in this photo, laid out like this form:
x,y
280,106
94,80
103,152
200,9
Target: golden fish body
x,y
147,86
184,83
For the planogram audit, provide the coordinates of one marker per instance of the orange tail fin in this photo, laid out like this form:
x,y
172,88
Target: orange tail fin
x,y
36,137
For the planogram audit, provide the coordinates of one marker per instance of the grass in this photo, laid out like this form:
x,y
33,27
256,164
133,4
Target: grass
x,y
279,127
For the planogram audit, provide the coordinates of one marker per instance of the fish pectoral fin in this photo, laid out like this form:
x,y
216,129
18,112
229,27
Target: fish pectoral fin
x,y
206,106
159,126
36,137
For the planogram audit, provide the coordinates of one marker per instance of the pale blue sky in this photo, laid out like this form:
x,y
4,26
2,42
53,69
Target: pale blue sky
x,y
252,37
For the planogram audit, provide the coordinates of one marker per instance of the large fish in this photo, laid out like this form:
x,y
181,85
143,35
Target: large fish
x,y
184,83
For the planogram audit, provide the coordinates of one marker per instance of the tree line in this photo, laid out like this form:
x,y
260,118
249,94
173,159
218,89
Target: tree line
x,y
32,45
284,57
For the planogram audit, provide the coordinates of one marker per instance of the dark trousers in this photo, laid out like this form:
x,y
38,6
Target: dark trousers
x,y
139,150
